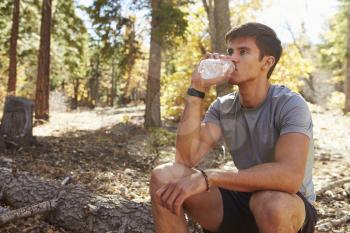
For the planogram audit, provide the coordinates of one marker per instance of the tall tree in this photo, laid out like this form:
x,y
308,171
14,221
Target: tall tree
x,y
131,50
11,85
347,79
218,13
43,78
152,111
168,22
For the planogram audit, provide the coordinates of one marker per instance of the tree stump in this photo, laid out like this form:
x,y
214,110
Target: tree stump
x,y
17,122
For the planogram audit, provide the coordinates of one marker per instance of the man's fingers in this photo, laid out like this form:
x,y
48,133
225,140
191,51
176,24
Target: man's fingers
x,y
160,192
178,203
165,197
174,195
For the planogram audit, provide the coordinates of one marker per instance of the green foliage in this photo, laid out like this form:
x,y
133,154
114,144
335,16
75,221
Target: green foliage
x,y
68,45
336,100
243,11
180,61
333,49
172,23
159,138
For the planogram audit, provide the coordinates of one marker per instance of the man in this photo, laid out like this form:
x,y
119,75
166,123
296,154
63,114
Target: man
x,y
267,128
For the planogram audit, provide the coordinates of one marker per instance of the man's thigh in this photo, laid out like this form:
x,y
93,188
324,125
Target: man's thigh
x,y
237,217
278,210
206,208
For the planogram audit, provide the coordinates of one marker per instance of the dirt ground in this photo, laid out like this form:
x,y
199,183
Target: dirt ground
x,y
108,151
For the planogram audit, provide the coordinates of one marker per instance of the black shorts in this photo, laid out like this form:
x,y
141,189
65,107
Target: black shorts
x,y
239,219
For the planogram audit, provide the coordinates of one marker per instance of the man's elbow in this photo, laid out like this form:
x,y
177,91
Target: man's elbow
x,y
294,184
185,161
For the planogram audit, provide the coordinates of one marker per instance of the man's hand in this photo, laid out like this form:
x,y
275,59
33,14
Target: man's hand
x,y
172,195
202,84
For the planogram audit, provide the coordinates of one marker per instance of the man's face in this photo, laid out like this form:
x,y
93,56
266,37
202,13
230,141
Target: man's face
x,y
245,54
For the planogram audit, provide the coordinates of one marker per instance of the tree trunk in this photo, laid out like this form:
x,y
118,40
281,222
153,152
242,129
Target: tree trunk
x,y
43,79
113,87
94,80
152,111
11,85
126,87
347,79
218,13
222,26
76,84
17,122
77,210
209,8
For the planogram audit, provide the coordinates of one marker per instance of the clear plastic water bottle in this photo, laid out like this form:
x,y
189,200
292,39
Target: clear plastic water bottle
x,y
214,68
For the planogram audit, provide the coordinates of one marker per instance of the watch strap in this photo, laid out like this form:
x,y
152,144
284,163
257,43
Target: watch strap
x,y
193,92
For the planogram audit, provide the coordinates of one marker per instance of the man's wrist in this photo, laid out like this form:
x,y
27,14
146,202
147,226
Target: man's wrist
x,y
205,176
196,93
211,173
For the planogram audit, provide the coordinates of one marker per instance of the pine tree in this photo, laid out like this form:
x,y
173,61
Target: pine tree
x,y
11,85
43,78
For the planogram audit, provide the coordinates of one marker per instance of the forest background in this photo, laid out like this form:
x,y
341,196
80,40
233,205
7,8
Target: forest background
x,y
108,79
108,63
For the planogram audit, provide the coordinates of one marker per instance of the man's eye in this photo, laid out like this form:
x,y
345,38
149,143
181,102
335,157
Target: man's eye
x,y
230,51
242,52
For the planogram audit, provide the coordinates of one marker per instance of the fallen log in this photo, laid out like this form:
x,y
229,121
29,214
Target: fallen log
x,y
77,209
27,211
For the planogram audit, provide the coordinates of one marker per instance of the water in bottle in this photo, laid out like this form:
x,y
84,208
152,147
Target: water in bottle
x,y
214,68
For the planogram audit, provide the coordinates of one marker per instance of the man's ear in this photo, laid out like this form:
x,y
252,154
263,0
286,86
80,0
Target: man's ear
x,y
269,61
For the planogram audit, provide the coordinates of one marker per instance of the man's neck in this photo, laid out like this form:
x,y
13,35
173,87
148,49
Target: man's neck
x,y
254,93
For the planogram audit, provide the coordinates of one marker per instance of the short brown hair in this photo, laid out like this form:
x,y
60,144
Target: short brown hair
x,y
265,38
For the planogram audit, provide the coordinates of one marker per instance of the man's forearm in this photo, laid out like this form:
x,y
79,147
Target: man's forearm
x,y
188,132
268,176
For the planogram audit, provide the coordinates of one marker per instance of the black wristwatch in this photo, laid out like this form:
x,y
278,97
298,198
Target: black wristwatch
x,y
193,92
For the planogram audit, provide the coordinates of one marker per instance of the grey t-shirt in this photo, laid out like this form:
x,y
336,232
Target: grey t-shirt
x,y
251,134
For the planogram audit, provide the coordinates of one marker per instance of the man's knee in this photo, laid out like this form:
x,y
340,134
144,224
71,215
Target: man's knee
x,y
270,209
166,173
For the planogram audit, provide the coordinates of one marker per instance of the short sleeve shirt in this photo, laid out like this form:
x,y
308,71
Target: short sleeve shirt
x,y
251,134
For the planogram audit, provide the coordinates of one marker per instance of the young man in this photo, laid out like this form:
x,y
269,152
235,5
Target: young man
x,y
267,128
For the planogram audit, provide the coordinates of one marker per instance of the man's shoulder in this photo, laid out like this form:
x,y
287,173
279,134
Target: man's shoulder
x,y
282,95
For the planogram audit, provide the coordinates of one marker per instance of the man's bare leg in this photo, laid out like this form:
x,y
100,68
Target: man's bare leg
x,y
277,212
206,208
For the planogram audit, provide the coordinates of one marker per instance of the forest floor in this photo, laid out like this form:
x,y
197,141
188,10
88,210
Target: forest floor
x,y
108,151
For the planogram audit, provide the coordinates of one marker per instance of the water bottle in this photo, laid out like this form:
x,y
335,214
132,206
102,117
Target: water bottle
x,y
214,68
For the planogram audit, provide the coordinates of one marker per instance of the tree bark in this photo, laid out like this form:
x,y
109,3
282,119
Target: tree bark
x,y
76,85
347,78
152,111
2,143
126,98
209,8
77,209
113,84
222,26
43,79
11,85
17,122
218,13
